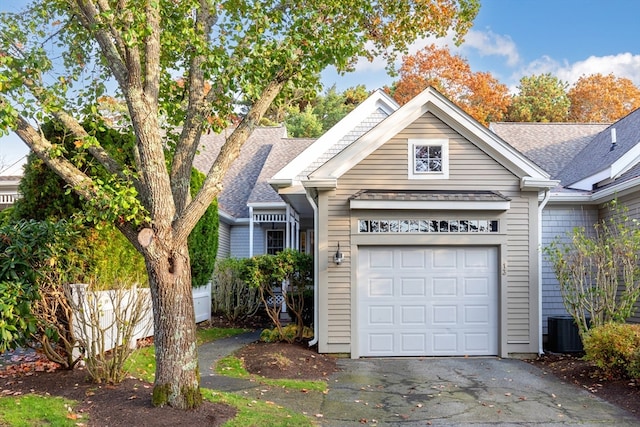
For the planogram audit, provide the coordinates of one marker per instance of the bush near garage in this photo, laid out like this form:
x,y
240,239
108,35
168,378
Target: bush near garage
x,y
614,348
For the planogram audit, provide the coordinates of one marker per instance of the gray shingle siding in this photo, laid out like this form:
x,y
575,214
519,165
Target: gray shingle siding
x,y
556,223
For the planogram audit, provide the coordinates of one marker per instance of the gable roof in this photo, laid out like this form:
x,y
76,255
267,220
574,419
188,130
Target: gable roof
x,y
365,116
430,100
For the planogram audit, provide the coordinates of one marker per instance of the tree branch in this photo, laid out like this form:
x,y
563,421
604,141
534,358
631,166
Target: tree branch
x,y
195,117
228,153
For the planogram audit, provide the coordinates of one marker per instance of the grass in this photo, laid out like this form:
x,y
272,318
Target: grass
x,y
231,366
33,410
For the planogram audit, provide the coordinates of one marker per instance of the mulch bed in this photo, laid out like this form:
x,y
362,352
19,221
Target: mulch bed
x,y
573,369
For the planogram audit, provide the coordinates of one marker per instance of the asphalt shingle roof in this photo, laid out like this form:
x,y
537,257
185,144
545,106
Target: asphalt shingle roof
x,y
600,153
264,153
552,146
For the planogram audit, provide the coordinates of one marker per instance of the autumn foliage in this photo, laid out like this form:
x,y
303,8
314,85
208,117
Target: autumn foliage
x,y
477,93
602,99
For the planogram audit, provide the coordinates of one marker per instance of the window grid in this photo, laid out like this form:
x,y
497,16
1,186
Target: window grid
x,y
275,241
428,158
428,226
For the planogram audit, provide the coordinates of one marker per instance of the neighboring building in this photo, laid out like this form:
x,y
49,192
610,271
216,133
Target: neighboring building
x,y
253,219
9,180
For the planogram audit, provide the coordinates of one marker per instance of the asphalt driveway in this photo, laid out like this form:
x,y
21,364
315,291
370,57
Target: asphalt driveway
x,y
429,391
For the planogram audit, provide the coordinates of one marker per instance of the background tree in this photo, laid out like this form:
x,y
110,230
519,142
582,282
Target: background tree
x,y
57,57
541,98
479,94
602,99
312,118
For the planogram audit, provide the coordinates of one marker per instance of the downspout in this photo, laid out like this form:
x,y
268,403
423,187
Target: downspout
x,y
541,206
314,341
250,231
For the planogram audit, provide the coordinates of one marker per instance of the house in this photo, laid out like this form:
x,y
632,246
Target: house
x,y
9,181
427,234
426,226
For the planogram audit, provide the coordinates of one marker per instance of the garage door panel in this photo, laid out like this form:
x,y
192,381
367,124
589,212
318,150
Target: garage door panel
x,y
477,315
444,258
444,344
380,259
413,287
444,315
413,343
476,287
381,316
382,287
381,344
476,342
413,315
444,286
427,301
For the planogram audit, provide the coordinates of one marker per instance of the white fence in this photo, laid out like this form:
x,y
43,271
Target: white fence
x,y
99,304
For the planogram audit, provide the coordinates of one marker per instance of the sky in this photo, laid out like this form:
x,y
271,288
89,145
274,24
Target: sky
x,y
509,39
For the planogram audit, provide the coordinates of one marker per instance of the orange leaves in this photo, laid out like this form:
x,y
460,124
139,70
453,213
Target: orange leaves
x,y
479,94
599,98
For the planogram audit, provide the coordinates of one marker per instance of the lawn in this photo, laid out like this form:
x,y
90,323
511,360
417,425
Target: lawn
x,y
36,410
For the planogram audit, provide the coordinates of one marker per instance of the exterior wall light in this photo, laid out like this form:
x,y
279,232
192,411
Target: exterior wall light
x,y
339,256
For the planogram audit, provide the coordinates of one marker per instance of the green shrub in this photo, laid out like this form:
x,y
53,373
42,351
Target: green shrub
x,y
203,240
231,296
614,348
16,320
287,333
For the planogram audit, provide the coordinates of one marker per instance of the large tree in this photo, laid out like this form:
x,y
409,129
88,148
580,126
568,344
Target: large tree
x,y
478,93
604,99
58,57
540,98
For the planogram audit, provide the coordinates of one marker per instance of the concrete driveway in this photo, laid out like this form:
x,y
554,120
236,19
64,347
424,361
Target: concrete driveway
x,y
430,391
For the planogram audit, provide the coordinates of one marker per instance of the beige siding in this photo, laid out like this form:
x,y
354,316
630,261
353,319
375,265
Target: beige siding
x,y
469,169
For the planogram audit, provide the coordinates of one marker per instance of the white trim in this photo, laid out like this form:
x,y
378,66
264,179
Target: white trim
x,y
377,100
588,182
443,143
466,205
528,182
267,205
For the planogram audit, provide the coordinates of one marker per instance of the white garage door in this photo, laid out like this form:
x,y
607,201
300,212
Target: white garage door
x,y
427,301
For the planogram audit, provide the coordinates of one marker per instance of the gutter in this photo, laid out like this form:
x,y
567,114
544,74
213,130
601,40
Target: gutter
x,y
316,274
543,203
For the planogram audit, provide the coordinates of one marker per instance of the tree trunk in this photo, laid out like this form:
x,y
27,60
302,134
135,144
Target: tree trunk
x,y
177,381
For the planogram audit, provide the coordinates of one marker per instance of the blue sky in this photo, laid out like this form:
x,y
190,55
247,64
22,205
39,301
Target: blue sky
x,y
509,39
514,38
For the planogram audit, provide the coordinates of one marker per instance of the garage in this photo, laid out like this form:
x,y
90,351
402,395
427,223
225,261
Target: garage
x,y
427,301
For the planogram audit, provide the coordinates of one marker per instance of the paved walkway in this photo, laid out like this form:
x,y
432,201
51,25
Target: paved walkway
x,y
427,391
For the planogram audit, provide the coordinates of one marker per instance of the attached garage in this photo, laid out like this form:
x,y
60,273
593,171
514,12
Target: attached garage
x,y
427,301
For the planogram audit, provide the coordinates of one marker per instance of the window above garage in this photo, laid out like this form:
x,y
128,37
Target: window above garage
x,y
428,226
428,158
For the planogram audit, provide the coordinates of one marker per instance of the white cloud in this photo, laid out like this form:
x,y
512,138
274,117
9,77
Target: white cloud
x,y
491,44
620,65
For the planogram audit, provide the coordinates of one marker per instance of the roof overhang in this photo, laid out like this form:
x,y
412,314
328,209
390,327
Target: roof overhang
x,y
430,200
531,183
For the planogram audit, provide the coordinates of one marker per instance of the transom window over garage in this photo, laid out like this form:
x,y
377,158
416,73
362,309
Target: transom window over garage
x,y
428,158
428,226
